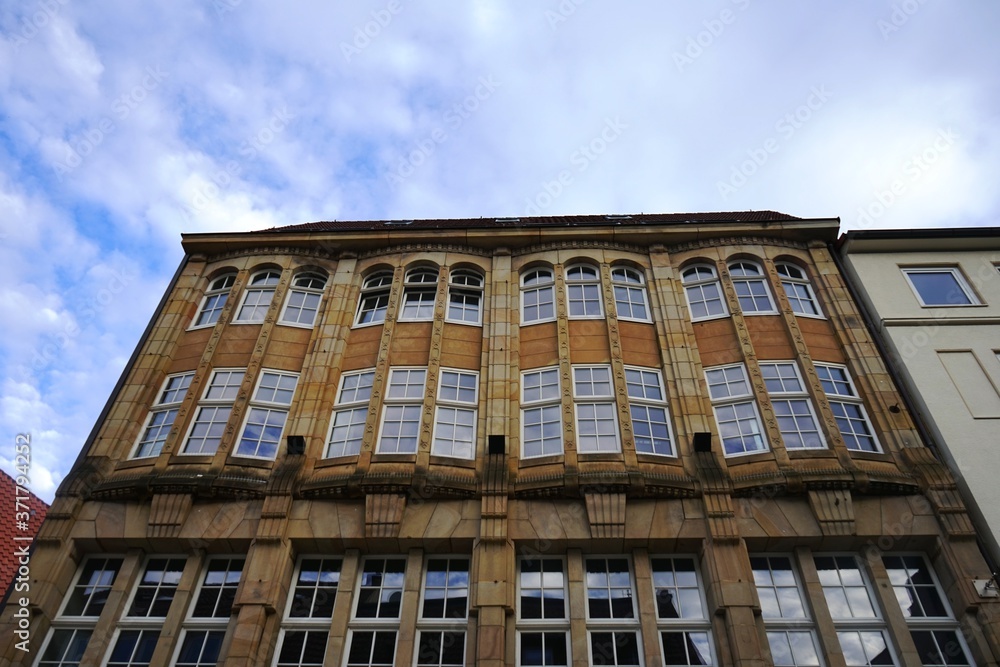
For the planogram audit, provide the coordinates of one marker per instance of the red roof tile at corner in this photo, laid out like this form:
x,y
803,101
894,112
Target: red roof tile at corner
x,y
539,221
9,529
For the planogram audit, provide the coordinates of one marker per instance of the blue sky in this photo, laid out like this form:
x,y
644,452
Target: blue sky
x,y
125,124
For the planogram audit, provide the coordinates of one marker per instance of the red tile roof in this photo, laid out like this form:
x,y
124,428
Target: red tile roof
x,y
536,221
36,509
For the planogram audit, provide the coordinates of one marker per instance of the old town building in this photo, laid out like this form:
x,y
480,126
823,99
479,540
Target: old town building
x,y
631,440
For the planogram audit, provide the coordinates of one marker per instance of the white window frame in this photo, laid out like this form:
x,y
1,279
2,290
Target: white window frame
x,y
685,625
307,286
595,410
798,290
781,623
545,404
140,583
854,624
789,391
373,302
734,401
928,624
374,624
460,403
583,289
214,301
542,284
746,274
852,399
639,399
407,404
221,404
209,624
208,630
79,624
419,283
162,415
697,283
612,624
960,282
443,625
629,287
465,286
311,623
272,407
132,661
260,288
543,626
352,407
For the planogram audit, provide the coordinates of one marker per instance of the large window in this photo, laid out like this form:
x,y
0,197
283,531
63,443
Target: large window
x,y
703,292
214,300
303,300
419,292
455,415
374,302
541,426
543,613
538,289
848,410
583,291
612,619
444,610
306,625
792,407
630,294
465,297
258,296
751,288
681,613
941,286
849,597
133,648
162,416
596,418
209,423
374,625
648,407
790,630
347,428
156,589
735,410
74,625
205,628
401,412
932,624
267,414
798,290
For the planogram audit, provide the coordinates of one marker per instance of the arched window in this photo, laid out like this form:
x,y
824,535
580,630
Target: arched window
x,y
630,294
704,295
583,289
215,300
419,290
798,290
303,300
537,296
465,297
257,299
374,301
751,288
